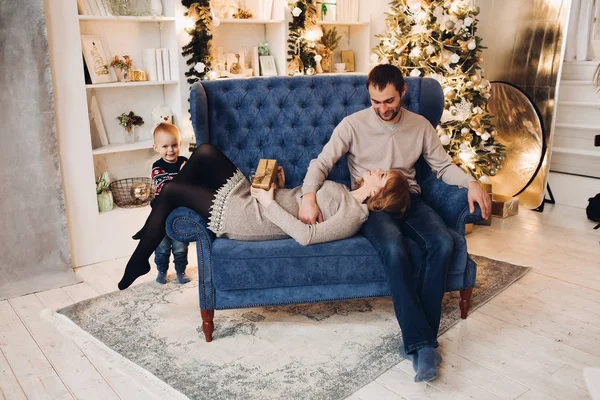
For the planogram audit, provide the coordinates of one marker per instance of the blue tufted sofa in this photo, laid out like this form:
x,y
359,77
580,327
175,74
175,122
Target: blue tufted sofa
x,y
290,119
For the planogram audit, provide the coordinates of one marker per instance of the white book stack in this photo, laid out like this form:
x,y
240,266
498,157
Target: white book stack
x,y
266,9
347,10
149,62
159,65
342,10
166,61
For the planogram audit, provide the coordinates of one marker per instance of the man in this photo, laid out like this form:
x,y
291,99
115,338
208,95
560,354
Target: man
x,y
388,137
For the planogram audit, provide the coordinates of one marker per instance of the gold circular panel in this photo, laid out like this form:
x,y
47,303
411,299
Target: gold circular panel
x,y
519,128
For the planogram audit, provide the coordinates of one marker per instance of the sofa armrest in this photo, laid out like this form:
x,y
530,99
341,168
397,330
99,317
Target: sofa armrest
x,y
186,225
450,202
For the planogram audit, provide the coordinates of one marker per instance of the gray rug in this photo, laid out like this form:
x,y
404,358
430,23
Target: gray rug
x,y
317,351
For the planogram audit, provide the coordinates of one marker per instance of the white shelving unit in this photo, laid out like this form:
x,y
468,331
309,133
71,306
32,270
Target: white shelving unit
x,y
95,236
234,34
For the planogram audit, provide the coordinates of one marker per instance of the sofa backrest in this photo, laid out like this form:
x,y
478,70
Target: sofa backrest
x,y
290,118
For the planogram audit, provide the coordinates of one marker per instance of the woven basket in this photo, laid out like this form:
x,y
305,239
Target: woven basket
x,y
132,192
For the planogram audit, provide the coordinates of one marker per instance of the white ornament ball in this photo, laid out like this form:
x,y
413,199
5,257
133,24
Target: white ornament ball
x,y
415,72
464,146
430,49
468,21
200,67
472,45
484,179
470,85
454,58
296,12
485,136
445,139
465,131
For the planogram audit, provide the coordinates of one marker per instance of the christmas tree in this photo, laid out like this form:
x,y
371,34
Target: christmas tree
x,y
436,39
197,51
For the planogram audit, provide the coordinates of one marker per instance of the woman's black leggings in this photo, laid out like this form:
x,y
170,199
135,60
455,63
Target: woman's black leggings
x,y
194,187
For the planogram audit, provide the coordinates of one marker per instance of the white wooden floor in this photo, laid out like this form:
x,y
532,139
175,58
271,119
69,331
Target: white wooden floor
x,y
530,342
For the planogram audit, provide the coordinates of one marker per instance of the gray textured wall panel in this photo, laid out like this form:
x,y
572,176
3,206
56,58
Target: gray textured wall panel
x,y
34,246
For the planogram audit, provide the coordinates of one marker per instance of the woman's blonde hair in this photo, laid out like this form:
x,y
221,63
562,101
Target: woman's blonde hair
x,y
393,198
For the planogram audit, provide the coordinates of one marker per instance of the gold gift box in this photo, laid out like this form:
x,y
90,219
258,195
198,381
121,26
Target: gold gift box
x,y
504,206
265,174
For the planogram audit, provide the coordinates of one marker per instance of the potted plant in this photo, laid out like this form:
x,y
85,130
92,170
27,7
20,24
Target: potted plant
x,y
326,46
103,193
130,122
123,68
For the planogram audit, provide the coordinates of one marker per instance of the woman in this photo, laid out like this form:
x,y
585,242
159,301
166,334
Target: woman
x,y
212,186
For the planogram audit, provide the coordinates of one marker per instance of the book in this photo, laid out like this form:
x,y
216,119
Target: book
x,y
255,62
159,65
97,118
149,62
86,73
266,9
166,63
101,8
82,7
93,7
266,172
354,10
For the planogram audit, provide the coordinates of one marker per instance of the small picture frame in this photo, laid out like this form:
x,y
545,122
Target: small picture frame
x,y
267,66
96,117
97,59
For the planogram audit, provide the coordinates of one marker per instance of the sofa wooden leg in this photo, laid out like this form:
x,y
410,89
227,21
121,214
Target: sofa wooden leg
x,y
207,323
465,302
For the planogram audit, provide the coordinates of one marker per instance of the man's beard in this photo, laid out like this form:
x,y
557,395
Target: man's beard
x,y
394,114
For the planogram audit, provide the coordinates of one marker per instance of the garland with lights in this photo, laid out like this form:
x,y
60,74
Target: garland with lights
x,y
199,47
304,17
436,38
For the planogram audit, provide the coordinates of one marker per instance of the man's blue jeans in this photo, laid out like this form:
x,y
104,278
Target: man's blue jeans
x,y
417,294
163,253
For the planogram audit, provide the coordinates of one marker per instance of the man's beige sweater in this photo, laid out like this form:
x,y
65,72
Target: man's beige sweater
x,y
372,144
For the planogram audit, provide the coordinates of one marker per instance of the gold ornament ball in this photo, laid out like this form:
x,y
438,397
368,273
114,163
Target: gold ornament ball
x,y
474,124
140,192
476,78
476,10
310,71
451,94
499,167
470,85
450,25
492,172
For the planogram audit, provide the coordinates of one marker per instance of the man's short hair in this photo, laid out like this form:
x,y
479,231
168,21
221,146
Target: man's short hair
x,y
384,74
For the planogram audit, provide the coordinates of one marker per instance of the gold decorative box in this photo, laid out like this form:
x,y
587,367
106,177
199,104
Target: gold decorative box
x,y
504,206
348,59
265,174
